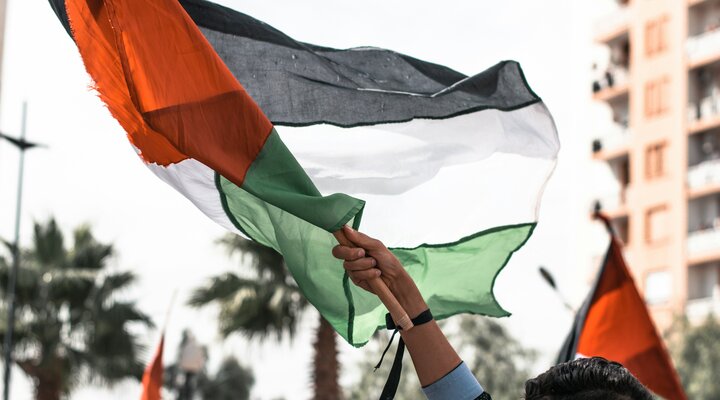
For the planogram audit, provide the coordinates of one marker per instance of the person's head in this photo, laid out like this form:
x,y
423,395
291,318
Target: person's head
x,y
586,379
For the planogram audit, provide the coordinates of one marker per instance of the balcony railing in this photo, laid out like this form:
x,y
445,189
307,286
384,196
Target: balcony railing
x,y
698,309
707,108
704,174
613,202
703,47
616,78
614,136
703,241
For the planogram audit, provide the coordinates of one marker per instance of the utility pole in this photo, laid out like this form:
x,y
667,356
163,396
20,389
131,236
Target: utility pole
x,y
548,278
22,146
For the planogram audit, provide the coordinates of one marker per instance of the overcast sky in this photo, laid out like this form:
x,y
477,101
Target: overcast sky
x,y
90,174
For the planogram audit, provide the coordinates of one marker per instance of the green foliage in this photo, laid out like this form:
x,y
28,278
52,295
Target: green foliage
x,y
267,302
232,381
70,325
696,351
498,360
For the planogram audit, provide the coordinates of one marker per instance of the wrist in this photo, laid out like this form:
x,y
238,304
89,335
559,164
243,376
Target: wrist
x,y
409,296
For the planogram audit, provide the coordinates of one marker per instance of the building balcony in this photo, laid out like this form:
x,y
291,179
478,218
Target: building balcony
x,y
612,143
613,205
703,245
703,49
613,25
704,175
613,85
704,115
698,309
703,291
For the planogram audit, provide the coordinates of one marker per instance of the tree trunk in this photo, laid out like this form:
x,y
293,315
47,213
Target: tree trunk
x,y
47,389
48,385
325,364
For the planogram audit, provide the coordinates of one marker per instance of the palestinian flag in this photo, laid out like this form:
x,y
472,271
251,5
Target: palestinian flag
x,y
614,323
449,168
152,380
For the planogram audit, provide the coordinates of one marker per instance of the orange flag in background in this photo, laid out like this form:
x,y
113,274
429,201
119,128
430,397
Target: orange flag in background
x,y
614,323
153,377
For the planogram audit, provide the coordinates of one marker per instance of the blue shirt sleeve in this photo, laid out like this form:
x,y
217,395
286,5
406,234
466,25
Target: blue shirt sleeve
x,y
459,384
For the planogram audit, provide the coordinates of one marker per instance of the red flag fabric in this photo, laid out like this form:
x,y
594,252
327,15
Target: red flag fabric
x,y
153,377
614,323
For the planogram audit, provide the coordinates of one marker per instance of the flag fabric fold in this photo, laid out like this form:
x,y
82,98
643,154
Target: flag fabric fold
x,y
615,324
152,380
446,169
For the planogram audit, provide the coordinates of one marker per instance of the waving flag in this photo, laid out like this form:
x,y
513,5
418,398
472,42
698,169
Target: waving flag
x,y
449,168
152,380
614,323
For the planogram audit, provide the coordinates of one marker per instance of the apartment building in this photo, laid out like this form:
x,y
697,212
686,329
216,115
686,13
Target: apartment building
x,y
658,80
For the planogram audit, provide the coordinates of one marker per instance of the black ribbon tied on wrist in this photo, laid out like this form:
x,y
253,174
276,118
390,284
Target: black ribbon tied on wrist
x,y
393,380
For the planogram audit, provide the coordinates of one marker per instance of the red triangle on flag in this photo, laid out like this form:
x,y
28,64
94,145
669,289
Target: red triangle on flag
x,y
153,377
614,323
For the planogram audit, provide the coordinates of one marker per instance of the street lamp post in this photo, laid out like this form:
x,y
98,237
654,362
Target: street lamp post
x,y
23,146
191,363
548,278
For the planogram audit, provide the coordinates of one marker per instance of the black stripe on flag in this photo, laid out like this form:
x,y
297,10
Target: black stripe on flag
x,y
299,84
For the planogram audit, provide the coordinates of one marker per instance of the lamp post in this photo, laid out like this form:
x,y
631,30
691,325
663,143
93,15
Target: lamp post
x,y
548,278
22,146
192,361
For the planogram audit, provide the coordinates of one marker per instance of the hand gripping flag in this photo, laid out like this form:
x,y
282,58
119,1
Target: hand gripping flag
x,y
450,168
614,323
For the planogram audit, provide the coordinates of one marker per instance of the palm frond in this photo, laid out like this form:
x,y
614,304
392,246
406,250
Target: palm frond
x,y
70,325
265,261
113,283
220,288
88,253
119,314
261,310
48,243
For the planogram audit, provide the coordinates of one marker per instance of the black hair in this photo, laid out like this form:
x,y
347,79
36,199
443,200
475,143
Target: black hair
x,y
586,379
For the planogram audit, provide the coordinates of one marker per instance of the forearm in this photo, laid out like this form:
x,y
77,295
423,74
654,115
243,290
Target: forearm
x,y
431,353
439,368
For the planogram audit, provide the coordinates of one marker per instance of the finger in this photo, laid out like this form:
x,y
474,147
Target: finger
x,y
362,284
360,264
347,253
362,240
365,285
364,275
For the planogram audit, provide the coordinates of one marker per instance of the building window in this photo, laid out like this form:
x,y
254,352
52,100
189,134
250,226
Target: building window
x,y
656,224
658,287
657,97
703,281
655,160
656,36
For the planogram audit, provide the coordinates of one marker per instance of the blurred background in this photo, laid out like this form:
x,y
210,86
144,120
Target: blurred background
x,y
635,91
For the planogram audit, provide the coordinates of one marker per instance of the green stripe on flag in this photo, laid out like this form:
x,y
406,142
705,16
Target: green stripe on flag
x,y
276,177
454,278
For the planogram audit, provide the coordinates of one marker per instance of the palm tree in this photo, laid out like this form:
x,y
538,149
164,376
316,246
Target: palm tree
x,y
267,304
71,327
